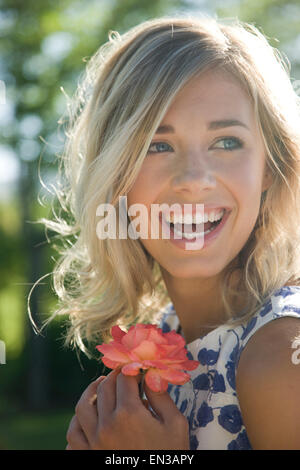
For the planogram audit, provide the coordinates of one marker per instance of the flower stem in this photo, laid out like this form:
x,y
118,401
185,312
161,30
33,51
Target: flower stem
x,y
141,385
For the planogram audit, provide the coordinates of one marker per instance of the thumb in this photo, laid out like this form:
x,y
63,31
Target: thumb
x,y
161,403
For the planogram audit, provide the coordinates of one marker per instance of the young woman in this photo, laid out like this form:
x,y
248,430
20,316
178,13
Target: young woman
x,y
188,111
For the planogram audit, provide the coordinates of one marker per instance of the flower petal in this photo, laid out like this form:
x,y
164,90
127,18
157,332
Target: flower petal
x,y
119,347
156,364
179,354
111,352
167,350
156,335
117,333
155,381
190,365
133,368
174,376
136,334
174,338
111,364
145,346
173,364
146,350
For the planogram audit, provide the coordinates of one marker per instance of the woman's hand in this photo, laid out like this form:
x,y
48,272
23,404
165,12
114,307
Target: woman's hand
x,y
111,415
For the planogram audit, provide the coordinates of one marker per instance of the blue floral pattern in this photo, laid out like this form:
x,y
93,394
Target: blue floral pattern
x,y
209,400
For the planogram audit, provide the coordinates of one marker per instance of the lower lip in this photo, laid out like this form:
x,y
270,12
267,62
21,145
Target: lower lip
x,y
208,238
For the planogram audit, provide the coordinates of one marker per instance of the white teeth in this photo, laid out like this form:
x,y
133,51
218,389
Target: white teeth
x,y
188,219
189,236
212,217
195,219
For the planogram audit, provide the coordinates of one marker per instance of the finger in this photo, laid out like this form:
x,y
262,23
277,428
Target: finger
x,y
162,404
128,391
106,396
75,436
85,410
93,388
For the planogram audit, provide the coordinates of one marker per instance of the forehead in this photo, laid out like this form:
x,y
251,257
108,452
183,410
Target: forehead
x,y
213,94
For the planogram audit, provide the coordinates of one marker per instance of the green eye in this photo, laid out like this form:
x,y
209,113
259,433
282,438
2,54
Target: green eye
x,y
229,143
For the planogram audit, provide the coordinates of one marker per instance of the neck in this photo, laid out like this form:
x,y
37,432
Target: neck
x,y
197,303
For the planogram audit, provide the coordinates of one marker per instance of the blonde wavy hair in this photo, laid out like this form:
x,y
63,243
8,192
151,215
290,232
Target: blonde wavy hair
x,y
125,91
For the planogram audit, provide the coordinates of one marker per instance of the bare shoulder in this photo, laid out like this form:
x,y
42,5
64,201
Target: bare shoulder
x,y
268,385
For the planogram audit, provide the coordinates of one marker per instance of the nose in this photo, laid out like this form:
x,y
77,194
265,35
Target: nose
x,y
193,174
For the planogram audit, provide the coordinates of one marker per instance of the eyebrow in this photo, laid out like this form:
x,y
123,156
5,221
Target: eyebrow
x,y
213,125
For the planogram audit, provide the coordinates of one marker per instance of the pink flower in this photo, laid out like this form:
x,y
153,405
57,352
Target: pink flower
x,y
146,347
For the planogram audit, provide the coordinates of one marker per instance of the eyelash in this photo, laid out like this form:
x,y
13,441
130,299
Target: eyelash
x,y
239,143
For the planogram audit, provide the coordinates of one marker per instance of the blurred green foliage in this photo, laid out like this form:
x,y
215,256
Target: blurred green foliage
x,y
43,47
45,430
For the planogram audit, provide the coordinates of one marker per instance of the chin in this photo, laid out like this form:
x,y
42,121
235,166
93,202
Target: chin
x,y
195,271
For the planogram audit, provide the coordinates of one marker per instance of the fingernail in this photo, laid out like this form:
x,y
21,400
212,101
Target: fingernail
x,y
100,378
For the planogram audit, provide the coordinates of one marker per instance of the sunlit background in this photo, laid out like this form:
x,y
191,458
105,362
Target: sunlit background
x,y
43,47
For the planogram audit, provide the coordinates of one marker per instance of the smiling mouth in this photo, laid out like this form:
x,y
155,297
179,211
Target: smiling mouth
x,y
192,230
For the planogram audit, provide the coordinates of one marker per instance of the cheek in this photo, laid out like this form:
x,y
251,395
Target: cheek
x,y
147,186
145,191
245,185
245,178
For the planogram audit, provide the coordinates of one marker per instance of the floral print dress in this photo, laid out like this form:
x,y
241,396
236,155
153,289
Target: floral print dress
x,y
209,399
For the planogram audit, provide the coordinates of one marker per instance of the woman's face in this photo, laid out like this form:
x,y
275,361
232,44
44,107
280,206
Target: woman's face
x,y
214,156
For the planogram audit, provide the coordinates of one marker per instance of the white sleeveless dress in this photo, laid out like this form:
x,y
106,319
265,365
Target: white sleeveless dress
x,y
209,399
